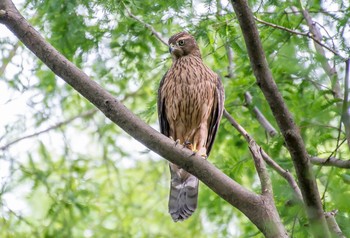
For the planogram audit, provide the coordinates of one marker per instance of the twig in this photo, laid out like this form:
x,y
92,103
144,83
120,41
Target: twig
x,y
261,118
255,150
332,161
57,125
284,173
330,71
148,26
311,36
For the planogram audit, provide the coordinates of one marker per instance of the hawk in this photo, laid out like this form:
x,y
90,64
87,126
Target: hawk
x,y
190,106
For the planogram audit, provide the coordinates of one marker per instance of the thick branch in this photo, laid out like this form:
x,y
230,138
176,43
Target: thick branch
x,y
289,130
255,207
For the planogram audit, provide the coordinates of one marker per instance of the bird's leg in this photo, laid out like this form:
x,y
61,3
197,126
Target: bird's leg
x,y
194,148
202,151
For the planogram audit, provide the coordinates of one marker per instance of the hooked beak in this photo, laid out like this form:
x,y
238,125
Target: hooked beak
x,y
172,47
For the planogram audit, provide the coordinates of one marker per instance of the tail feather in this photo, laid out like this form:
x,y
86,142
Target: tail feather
x,y
183,194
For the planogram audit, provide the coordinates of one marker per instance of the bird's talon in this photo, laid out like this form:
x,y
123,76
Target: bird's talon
x,y
188,145
202,153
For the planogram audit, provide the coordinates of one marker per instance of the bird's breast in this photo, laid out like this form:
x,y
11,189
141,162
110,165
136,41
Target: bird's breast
x,y
188,91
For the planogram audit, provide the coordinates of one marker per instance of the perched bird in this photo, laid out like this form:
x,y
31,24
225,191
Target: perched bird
x,y
190,106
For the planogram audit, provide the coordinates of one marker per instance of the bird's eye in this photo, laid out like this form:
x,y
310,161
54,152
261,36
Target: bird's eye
x,y
181,42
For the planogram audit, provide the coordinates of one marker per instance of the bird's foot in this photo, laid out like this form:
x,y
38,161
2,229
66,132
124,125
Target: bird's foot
x,y
203,153
188,145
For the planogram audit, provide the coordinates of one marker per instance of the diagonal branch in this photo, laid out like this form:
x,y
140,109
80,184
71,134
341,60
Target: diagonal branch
x,y
311,36
284,173
248,97
290,131
330,71
259,116
255,150
57,125
148,26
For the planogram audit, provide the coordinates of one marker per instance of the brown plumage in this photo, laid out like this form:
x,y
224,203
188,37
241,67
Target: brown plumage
x,y
190,106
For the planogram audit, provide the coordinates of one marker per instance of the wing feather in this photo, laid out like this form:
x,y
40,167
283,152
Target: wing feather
x,y
217,112
163,122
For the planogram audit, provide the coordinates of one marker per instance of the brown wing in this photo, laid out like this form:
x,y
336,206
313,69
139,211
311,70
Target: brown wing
x,y
163,122
216,114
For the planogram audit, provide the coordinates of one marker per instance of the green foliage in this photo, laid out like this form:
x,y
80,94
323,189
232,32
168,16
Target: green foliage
x,y
87,178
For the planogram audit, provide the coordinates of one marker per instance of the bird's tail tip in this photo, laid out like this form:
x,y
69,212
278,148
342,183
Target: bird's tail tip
x,y
183,198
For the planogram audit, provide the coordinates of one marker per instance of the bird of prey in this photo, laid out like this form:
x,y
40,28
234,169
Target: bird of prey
x,y
190,106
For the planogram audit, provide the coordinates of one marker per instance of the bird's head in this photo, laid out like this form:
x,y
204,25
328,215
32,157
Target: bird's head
x,y
183,44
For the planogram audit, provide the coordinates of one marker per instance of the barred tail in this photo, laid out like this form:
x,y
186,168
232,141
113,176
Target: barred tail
x,y
183,194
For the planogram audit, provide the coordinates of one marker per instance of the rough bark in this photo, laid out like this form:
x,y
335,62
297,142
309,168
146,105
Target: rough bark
x,y
258,208
290,132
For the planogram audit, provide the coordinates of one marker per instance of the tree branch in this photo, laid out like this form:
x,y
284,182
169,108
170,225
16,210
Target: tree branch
x,y
258,209
330,71
332,223
315,39
57,125
230,66
331,161
259,116
290,132
148,26
255,150
284,173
